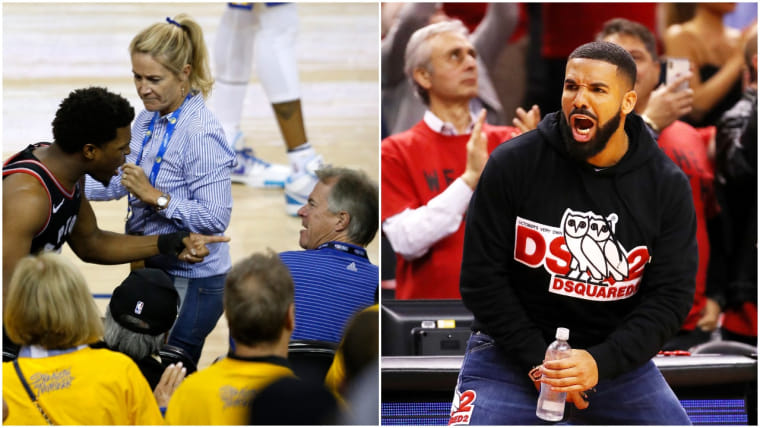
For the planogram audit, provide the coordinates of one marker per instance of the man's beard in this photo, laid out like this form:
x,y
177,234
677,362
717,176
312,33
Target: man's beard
x,y
592,147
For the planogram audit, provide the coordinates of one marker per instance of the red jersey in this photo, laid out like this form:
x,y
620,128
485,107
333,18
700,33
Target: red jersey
x,y
741,320
687,147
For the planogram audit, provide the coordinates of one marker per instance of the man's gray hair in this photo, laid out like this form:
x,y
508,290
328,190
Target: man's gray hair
x,y
418,51
354,193
135,345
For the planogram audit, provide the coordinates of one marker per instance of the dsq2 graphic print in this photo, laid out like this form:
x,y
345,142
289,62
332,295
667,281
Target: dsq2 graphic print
x,y
582,255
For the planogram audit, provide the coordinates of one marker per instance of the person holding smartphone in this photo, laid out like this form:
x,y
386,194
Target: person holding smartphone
x,y
685,146
716,52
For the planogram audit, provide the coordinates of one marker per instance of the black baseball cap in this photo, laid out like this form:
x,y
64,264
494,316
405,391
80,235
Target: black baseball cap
x,y
145,302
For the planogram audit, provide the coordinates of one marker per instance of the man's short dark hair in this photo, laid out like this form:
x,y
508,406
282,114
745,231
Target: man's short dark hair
x,y
356,194
611,53
630,28
90,116
258,293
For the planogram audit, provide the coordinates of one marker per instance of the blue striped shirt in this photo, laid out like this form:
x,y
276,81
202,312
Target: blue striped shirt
x,y
330,286
195,171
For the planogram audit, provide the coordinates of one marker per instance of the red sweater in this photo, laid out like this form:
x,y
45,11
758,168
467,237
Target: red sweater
x,y
417,165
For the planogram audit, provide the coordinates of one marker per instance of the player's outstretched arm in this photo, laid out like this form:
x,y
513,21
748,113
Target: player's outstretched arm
x,y
94,245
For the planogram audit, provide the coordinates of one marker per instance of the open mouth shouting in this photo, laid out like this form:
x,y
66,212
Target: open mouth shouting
x,y
582,126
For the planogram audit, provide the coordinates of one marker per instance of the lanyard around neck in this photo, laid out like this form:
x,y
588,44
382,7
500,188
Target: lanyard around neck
x,y
345,247
172,119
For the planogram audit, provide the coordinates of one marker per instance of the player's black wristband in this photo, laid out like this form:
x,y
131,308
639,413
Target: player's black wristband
x,y
171,243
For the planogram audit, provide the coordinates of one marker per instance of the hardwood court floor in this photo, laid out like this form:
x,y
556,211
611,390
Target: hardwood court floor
x,y
50,49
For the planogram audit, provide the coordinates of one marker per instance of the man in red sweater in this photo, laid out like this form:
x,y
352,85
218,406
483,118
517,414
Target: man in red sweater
x,y
431,170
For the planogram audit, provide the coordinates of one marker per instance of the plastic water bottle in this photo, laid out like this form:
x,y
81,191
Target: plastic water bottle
x,y
551,404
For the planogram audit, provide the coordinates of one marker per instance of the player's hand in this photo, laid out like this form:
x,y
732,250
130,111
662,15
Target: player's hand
x,y
576,373
195,246
133,179
477,152
173,375
527,121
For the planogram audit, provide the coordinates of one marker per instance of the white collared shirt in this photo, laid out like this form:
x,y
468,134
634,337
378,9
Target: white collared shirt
x,y
446,128
413,231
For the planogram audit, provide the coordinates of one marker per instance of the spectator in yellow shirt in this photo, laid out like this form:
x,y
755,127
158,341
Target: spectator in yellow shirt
x,y
49,311
258,304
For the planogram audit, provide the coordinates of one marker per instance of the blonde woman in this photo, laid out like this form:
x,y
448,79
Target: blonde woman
x,y
177,175
57,377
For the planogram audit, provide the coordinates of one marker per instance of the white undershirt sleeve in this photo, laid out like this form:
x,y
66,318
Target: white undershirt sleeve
x,y
413,231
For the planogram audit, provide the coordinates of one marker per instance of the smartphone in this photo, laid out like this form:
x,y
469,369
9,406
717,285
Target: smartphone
x,y
675,68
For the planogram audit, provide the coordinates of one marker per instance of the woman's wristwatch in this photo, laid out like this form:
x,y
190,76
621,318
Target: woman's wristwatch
x,y
163,201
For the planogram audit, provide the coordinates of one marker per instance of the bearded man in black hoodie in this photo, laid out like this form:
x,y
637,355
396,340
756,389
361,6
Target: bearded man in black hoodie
x,y
585,224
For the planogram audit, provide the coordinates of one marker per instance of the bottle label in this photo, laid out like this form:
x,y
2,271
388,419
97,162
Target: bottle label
x,y
554,407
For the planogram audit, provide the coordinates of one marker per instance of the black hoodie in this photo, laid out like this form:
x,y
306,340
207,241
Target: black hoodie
x,y
551,242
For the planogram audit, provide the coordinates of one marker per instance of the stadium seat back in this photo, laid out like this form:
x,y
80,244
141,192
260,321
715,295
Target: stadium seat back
x,y
310,359
171,354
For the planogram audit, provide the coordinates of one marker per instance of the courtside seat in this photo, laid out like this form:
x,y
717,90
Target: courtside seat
x,y
310,359
171,354
9,356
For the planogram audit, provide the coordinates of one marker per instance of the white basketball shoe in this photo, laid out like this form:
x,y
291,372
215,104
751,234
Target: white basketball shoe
x,y
256,172
299,185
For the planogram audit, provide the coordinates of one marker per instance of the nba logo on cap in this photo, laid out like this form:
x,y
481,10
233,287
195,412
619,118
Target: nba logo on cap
x,y
139,307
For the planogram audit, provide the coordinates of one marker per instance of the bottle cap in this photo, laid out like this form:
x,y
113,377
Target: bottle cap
x,y
562,333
